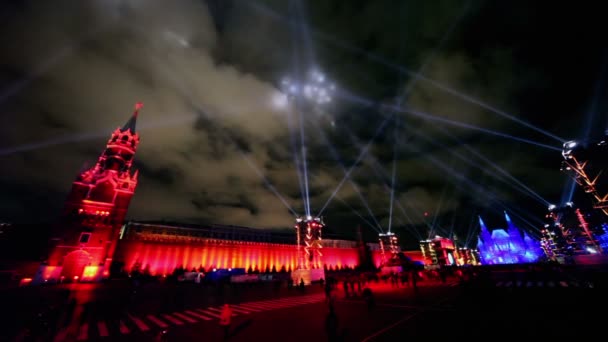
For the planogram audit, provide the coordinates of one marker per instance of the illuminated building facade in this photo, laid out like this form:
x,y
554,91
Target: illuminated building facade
x,y
161,248
84,240
441,251
468,256
507,246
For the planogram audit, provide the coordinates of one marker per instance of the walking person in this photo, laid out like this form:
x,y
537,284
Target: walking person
x,y
369,299
331,324
345,286
225,320
328,289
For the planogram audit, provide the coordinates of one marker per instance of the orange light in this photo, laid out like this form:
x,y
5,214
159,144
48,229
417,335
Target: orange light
x,y
25,281
90,271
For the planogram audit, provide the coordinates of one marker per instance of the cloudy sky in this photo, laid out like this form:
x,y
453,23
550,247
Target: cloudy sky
x,y
472,99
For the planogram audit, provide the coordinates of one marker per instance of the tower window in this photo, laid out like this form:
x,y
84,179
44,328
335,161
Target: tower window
x,y
84,237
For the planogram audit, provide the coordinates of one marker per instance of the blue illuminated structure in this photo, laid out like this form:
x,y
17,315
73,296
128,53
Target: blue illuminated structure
x,y
602,238
507,246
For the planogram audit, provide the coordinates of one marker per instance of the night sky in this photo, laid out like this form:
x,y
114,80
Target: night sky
x,y
473,99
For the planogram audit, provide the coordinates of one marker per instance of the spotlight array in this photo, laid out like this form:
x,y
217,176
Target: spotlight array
x,y
314,88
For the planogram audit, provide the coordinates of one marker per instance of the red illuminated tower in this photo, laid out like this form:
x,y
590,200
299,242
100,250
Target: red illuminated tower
x,y
309,241
309,245
85,238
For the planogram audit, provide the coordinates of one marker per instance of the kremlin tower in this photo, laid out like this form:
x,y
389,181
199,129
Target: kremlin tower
x,y
84,240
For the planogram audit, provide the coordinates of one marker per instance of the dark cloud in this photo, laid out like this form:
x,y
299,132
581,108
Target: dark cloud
x,y
164,176
215,147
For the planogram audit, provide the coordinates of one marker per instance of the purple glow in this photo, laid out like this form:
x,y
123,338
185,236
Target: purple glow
x,y
507,246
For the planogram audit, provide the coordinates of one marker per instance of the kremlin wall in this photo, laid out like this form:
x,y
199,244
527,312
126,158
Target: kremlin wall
x,y
161,248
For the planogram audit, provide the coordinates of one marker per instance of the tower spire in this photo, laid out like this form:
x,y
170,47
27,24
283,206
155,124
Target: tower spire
x,y
130,125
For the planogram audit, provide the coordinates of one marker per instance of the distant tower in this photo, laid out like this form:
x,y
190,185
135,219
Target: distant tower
x,y
85,239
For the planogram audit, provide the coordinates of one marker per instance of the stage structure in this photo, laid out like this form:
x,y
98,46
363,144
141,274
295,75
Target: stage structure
x,y
389,247
592,246
568,233
439,251
84,240
585,164
309,249
548,243
558,239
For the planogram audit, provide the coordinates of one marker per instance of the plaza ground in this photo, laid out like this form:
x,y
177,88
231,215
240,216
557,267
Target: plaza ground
x,y
494,304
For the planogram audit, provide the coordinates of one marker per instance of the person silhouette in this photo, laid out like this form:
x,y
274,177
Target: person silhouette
x,y
331,324
225,320
369,299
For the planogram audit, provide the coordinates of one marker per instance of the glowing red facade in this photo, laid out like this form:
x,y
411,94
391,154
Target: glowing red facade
x,y
85,238
162,248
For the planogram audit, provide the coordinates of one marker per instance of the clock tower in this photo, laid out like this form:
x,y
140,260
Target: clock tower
x,y
84,240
